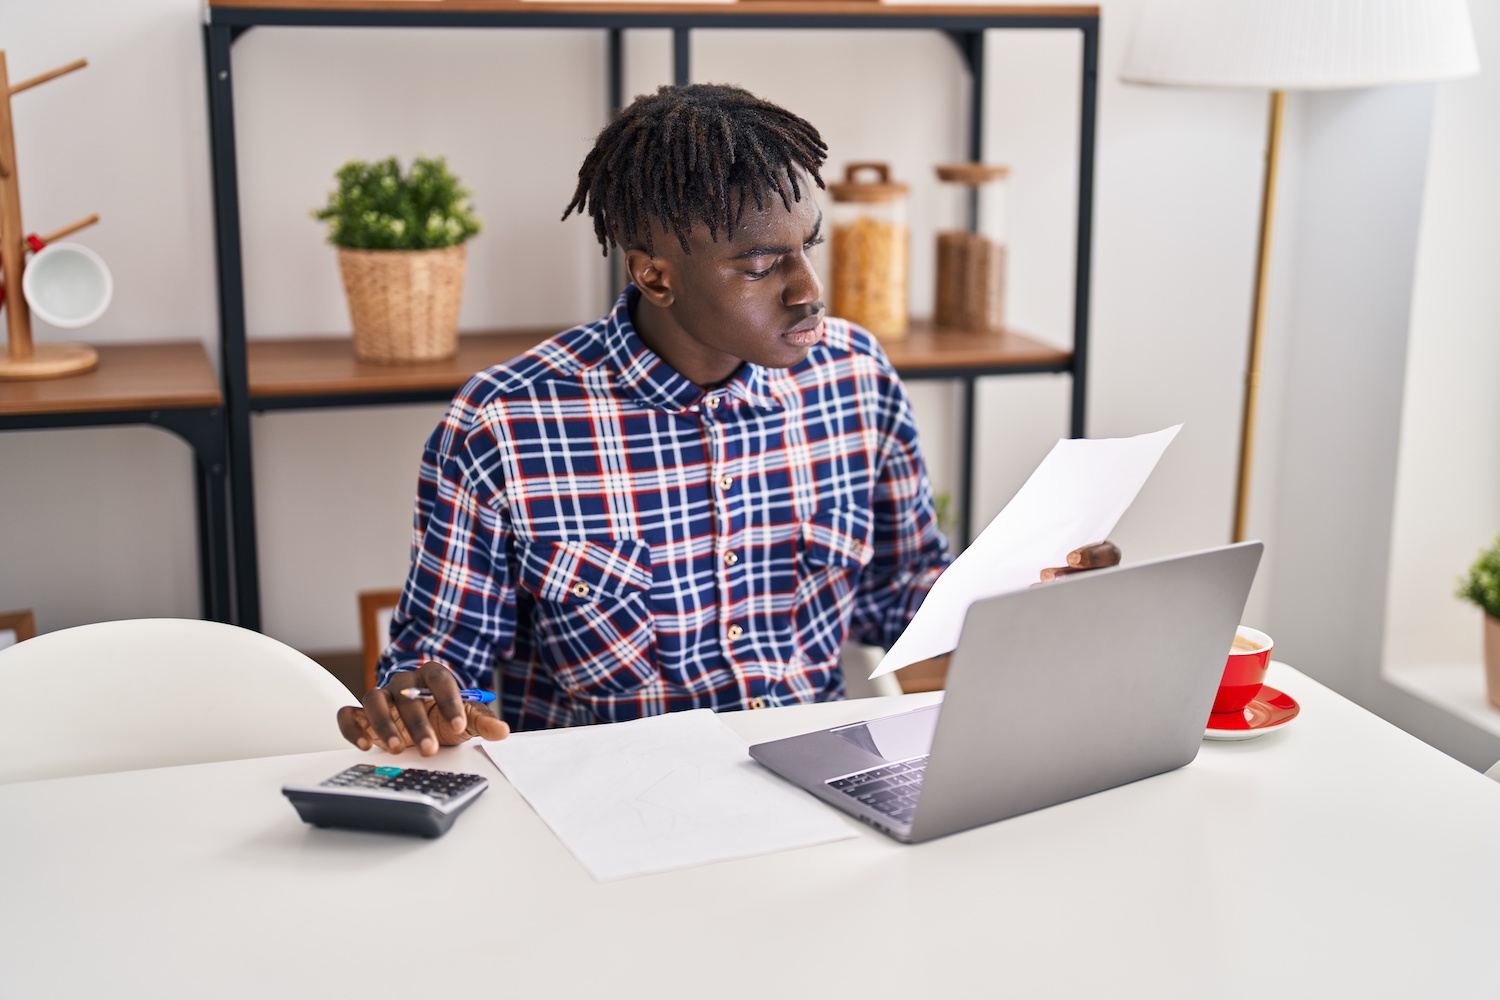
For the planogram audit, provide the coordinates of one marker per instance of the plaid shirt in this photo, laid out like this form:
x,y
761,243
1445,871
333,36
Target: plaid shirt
x,y
617,542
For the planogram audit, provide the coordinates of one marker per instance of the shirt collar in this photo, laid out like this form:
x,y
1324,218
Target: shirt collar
x,y
645,375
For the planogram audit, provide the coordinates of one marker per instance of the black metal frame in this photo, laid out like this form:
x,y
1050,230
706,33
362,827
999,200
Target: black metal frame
x,y
225,24
203,430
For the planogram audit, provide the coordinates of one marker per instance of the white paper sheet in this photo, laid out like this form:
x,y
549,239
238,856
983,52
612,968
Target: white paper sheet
x,y
1075,497
666,792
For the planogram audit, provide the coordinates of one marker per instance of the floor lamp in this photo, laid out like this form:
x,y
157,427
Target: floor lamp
x,y
1281,45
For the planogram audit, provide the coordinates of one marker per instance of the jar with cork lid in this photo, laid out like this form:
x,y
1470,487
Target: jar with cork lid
x,y
871,250
970,292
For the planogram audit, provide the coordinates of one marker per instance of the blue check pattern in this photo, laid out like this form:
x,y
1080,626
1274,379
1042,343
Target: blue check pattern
x,y
602,540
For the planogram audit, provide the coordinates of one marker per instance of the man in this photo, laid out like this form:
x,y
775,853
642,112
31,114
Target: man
x,y
690,503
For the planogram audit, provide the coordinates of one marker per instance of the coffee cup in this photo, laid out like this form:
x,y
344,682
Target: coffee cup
x,y
67,285
1245,671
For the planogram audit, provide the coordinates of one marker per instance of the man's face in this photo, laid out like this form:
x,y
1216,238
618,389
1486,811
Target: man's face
x,y
754,297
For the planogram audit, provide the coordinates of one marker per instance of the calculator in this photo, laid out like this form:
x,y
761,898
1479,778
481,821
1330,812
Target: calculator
x,y
391,799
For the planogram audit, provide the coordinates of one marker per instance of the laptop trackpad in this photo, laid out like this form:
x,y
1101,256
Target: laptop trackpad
x,y
896,737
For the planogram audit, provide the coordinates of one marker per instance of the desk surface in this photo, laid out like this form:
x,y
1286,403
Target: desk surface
x,y
1340,857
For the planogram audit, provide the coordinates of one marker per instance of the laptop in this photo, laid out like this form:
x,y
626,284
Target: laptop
x,y
1086,683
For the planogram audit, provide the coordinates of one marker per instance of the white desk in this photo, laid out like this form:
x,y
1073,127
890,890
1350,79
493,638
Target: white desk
x,y
1337,858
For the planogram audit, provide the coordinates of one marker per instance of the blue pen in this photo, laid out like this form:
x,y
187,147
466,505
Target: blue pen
x,y
468,694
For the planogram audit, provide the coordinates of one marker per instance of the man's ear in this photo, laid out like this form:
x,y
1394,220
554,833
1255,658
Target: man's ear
x,y
652,275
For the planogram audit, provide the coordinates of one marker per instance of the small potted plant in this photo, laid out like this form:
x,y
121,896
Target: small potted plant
x,y
401,253
1482,586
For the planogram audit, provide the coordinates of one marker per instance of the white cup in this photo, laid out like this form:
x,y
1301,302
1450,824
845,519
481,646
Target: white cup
x,y
67,285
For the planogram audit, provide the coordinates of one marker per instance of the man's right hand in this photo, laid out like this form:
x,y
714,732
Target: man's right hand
x,y
393,721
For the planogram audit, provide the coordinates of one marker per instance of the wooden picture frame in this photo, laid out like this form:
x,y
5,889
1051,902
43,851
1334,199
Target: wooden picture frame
x,y
375,610
16,626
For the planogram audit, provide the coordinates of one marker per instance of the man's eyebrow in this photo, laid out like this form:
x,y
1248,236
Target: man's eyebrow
x,y
770,251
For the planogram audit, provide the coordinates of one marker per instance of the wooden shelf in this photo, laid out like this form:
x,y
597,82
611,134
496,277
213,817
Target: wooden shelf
x,y
326,366
162,375
304,367
770,8
928,348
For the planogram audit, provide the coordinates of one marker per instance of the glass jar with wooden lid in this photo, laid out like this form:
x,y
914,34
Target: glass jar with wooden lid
x,y
871,250
970,293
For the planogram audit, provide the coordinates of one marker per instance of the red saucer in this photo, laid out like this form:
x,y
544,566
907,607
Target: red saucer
x,y
1271,709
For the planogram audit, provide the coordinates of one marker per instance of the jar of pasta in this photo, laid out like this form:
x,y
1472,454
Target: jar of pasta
x,y
970,292
871,250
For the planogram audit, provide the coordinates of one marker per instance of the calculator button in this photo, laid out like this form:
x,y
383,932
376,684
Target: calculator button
x,y
388,771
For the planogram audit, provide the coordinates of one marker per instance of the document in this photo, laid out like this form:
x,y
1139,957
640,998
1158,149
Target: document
x,y
671,791
1076,496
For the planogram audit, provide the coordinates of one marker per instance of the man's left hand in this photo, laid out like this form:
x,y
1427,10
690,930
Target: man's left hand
x,y
1096,556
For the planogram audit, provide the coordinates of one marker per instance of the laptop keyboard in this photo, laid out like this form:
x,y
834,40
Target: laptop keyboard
x,y
891,789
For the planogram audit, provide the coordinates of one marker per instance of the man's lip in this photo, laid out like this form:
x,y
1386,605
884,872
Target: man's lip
x,y
808,325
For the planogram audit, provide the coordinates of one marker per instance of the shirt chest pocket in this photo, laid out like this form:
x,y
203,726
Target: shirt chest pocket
x,y
592,618
833,548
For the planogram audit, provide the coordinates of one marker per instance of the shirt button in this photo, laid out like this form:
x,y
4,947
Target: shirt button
x,y
757,703
712,402
735,632
730,558
725,482
581,589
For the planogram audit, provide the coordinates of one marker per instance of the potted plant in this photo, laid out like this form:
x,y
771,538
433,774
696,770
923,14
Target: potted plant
x,y
1482,586
401,253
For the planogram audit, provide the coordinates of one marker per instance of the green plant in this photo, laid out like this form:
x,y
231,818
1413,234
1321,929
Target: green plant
x,y
376,207
942,505
1482,585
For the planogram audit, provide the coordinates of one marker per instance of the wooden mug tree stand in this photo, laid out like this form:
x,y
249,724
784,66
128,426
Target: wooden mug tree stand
x,y
23,359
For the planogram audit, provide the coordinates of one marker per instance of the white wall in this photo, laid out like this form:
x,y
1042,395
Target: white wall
x,y
1448,481
1363,161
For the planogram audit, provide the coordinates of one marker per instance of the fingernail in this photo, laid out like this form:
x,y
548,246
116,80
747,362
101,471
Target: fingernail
x,y
394,745
362,743
1074,559
429,745
459,723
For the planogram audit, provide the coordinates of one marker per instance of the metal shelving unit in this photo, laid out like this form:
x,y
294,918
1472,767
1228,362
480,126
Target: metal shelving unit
x,y
321,373
165,384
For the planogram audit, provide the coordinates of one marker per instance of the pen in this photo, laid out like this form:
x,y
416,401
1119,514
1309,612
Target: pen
x,y
468,694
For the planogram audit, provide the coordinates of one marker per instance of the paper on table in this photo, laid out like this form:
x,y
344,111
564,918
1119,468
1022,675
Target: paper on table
x,y
665,792
1076,496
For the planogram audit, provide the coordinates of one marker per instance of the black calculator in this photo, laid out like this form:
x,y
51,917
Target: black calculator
x,y
391,799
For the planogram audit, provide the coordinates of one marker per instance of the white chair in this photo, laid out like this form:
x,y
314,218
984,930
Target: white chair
x,y
858,661
153,692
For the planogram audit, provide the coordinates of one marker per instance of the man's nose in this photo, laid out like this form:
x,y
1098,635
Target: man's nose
x,y
803,285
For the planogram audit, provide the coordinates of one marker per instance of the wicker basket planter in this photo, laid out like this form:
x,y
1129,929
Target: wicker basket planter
x,y
404,303
1492,659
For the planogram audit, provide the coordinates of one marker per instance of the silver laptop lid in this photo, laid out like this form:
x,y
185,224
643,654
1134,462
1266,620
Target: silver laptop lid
x,y
1070,688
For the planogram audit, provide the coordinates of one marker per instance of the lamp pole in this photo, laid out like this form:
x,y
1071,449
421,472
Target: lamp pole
x,y
1258,314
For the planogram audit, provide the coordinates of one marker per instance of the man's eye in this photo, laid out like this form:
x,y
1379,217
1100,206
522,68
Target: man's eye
x,y
813,243
760,274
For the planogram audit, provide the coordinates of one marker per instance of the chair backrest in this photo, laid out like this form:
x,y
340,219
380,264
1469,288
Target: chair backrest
x,y
859,662
153,692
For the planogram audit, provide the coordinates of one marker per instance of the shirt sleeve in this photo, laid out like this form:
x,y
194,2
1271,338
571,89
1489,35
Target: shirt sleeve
x,y
910,550
458,606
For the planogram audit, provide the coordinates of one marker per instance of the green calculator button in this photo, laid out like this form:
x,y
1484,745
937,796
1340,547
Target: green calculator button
x,y
389,772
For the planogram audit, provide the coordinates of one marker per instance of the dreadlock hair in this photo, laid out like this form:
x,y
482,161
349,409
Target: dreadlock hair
x,y
685,155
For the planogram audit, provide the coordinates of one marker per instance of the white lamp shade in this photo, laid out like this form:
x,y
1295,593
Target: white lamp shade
x,y
1300,44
